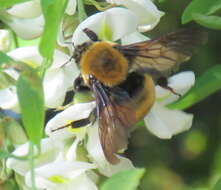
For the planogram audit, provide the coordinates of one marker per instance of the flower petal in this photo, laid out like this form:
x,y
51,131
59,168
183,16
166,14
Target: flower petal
x,y
63,168
58,79
59,172
28,9
26,54
71,7
72,113
9,99
54,88
164,123
133,38
25,28
4,40
114,18
96,154
81,182
49,150
71,153
147,13
180,83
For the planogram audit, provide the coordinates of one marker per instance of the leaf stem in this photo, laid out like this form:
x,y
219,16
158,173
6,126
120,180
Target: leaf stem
x,y
15,38
31,164
82,15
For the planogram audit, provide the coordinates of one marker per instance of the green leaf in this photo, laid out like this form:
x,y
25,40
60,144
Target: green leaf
x,y
53,11
217,185
6,80
205,7
213,22
8,3
205,85
127,179
31,100
10,184
4,154
5,61
162,1
4,58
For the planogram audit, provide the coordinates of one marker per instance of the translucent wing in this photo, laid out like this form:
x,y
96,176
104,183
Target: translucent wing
x,y
163,54
115,120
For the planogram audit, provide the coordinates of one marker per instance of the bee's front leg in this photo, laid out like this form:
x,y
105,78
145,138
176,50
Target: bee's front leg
x,y
79,85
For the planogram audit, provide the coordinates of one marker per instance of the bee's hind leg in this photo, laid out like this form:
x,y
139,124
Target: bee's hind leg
x,y
163,82
90,120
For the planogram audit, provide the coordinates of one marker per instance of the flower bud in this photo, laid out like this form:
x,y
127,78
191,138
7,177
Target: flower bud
x,y
13,131
4,40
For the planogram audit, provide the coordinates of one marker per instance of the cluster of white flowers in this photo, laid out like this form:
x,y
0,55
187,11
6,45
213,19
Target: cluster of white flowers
x,y
68,159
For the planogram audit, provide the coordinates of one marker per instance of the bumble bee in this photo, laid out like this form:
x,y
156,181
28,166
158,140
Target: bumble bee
x,y
123,77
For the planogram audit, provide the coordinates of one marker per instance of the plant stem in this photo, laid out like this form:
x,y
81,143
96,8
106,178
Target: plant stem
x,y
15,38
81,11
31,163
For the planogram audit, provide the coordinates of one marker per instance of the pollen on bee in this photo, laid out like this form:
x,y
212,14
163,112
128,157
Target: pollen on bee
x,y
70,128
105,63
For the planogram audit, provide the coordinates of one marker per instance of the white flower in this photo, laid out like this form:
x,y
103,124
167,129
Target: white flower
x,y
56,82
52,169
121,21
28,9
26,28
72,113
147,13
9,99
27,20
4,40
32,9
71,7
96,155
49,151
63,175
164,122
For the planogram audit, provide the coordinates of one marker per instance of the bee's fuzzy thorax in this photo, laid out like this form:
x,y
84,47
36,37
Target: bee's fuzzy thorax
x,y
105,63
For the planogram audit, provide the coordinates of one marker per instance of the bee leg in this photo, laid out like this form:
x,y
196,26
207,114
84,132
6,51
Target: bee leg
x,y
93,116
92,35
162,81
80,123
75,124
79,85
68,61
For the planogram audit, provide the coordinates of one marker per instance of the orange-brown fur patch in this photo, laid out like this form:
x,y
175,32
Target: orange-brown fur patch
x,y
145,99
105,63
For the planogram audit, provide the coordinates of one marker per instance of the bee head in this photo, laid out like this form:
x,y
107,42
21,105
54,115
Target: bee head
x,y
79,51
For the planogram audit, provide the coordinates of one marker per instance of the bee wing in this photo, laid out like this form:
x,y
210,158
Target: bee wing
x,y
115,120
163,54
